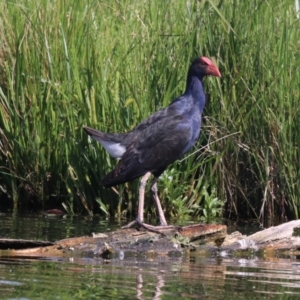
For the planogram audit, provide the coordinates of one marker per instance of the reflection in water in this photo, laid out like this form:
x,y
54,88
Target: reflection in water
x,y
139,287
160,282
160,278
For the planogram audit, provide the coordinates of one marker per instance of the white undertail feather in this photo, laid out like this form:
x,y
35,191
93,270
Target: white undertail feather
x,y
114,149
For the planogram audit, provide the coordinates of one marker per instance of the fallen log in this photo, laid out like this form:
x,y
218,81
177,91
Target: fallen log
x,y
283,239
131,241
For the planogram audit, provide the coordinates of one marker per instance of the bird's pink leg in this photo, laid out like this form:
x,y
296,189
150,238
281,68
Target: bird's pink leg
x,y
161,215
140,215
162,220
143,182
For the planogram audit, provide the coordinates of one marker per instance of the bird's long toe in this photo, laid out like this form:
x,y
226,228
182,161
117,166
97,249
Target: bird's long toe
x,y
129,225
156,229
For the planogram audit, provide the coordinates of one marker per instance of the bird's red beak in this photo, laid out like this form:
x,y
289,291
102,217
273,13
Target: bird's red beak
x,y
213,71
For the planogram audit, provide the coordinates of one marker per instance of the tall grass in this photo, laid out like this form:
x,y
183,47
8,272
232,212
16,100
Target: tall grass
x,y
110,64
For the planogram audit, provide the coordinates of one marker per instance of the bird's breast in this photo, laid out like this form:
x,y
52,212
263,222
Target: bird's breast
x,y
188,131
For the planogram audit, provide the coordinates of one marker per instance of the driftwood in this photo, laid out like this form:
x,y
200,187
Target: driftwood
x,y
173,242
283,238
133,242
22,244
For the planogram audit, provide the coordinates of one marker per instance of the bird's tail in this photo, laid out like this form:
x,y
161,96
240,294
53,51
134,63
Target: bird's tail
x,y
94,133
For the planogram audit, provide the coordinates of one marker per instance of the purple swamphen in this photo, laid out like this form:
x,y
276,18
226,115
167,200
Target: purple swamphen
x,y
159,140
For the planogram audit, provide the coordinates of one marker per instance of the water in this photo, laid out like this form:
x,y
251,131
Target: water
x,y
193,276
51,228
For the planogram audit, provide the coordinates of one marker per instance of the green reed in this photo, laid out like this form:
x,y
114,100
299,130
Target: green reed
x,y
110,64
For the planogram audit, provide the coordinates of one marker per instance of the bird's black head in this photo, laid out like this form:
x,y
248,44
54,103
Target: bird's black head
x,y
203,66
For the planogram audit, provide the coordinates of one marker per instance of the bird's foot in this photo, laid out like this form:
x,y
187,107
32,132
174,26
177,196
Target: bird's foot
x,y
131,224
156,229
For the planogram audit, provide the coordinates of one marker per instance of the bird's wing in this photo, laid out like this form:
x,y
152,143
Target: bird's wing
x,y
152,150
160,116
163,143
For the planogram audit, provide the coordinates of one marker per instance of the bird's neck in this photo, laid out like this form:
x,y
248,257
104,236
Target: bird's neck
x,y
194,87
